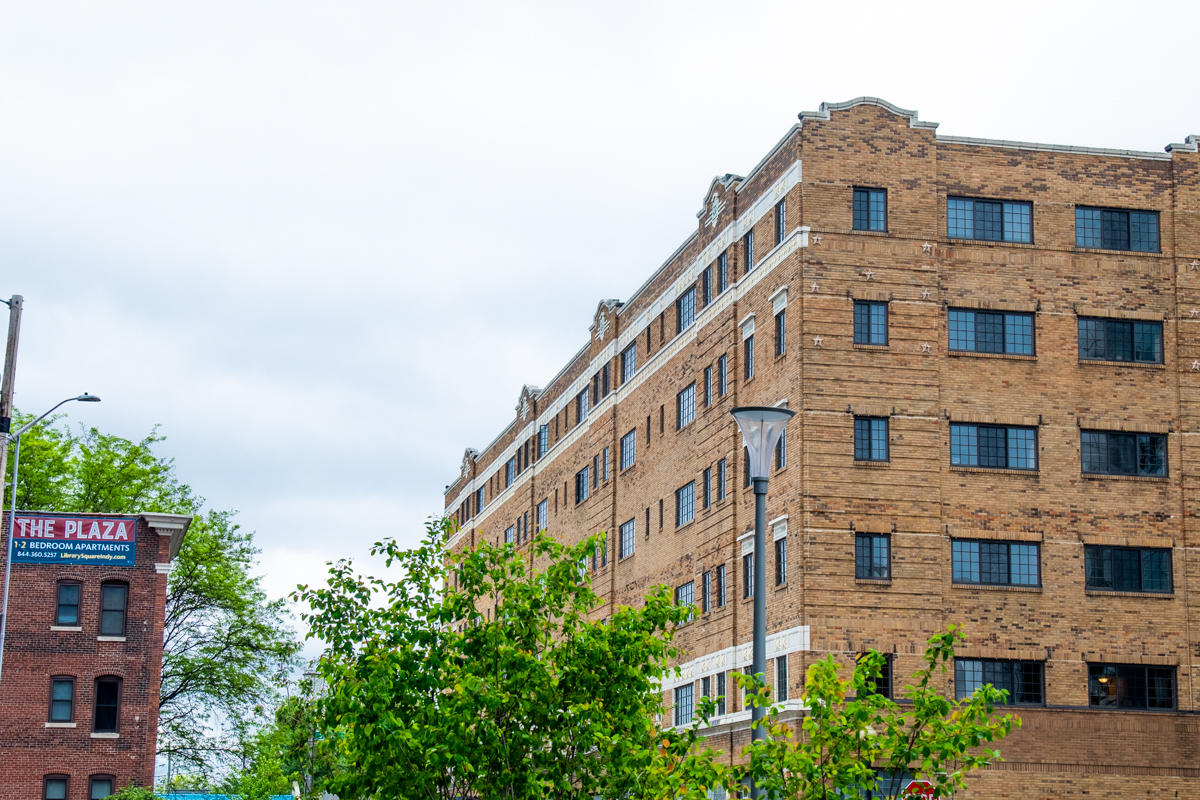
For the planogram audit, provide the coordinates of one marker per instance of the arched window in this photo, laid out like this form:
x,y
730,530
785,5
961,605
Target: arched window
x,y
54,787
114,595
101,786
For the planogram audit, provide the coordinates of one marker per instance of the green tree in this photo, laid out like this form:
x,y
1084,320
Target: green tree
x,y
853,740
226,645
471,677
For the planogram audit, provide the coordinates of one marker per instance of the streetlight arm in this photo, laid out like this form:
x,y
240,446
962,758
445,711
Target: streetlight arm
x,y
87,398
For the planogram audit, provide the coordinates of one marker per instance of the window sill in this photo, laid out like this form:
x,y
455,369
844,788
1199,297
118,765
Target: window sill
x,y
1100,476
996,587
1028,473
110,638
873,581
106,735
960,240
70,628
868,232
1101,362
1105,251
60,724
1003,356
779,357
1120,593
876,347
779,587
872,464
685,525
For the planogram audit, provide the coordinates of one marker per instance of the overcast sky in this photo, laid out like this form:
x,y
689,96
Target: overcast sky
x,y
324,244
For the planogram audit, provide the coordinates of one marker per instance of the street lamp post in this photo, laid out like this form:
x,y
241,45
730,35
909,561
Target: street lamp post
x,y
12,517
761,428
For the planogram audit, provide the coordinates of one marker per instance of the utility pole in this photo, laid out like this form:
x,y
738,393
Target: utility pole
x,y
6,386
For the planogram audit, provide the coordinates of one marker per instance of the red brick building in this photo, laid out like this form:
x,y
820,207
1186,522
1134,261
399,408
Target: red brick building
x,y
83,656
993,352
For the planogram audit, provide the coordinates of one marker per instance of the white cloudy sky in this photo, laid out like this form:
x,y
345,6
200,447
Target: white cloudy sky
x,y
323,244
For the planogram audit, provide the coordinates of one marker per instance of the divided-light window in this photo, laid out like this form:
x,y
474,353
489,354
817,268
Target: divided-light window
x,y
628,363
995,563
1128,569
1103,339
1023,680
1116,229
628,539
629,449
685,308
870,439
872,556
1117,453
870,209
1007,332
1131,686
685,406
582,484
685,504
870,322
993,446
989,220
67,608
113,598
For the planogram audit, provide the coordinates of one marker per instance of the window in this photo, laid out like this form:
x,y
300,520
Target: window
x,y
722,376
100,787
510,468
720,580
870,322
781,561
1021,679
1005,332
872,556
628,539
870,438
747,574
780,220
604,463
997,446
108,703
1115,453
708,387
685,407
685,595
781,333
543,442
881,684
781,678
781,451
720,693
748,356
721,480
1128,569
706,488
543,510
990,220
62,699
595,472
628,363
870,209
582,405
510,534
706,592
684,703
1120,340
67,609
748,251
685,308
582,484
1116,229
54,787
112,608
685,504
628,449
1131,686
480,499
995,563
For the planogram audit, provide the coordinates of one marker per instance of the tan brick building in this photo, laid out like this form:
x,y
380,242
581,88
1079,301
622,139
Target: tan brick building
x,y
993,350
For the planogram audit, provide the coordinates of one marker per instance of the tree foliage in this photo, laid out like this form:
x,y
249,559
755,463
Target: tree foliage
x,y
473,677
226,645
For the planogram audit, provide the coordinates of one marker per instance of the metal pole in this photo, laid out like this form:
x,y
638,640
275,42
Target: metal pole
x,y
759,666
12,521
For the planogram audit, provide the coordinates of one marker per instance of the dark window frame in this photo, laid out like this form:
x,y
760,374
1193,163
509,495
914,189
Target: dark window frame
x,y
748,357
1016,667
991,332
882,683
101,776
868,569
685,310
781,332
67,679
863,212
1103,561
685,406
59,604
628,453
995,214
991,446
1116,229
56,776
682,508
990,560
628,536
864,322
1136,453
780,548
116,705
780,221
865,450
123,610
1119,339
1113,670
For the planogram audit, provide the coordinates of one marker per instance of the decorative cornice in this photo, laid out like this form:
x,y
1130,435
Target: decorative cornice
x,y
827,108
173,525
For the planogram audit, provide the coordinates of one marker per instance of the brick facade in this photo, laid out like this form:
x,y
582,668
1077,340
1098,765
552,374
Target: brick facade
x,y
922,502
38,650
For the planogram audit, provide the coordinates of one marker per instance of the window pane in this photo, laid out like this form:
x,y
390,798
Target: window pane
x,y
1119,340
1087,227
1018,334
992,447
1023,561
1127,570
989,332
964,445
112,609
1094,447
962,330
1152,454
960,218
105,719
101,788
68,604
968,676
1114,229
965,562
993,562
1147,342
879,439
1098,567
989,221
1122,454
1143,231
1156,570
1018,224
1022,448
1092,339
56,789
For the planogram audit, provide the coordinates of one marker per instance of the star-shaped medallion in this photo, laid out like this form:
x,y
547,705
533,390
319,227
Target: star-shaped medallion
x,y
925,294
926,248
815,287
868,274
1195,312
816,238
817,341
1194,265
925,347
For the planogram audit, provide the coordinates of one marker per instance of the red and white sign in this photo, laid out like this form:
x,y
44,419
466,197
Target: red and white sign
x,y
917,789
30,526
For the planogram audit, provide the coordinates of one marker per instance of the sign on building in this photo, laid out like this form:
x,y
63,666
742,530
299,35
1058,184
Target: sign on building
x,y
67,539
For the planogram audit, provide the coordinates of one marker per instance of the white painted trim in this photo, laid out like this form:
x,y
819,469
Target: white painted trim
x,y
110,638
106,736
779,530
173,525
60,724
779,519
747,326
68,628
783,642
778,299
164,569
